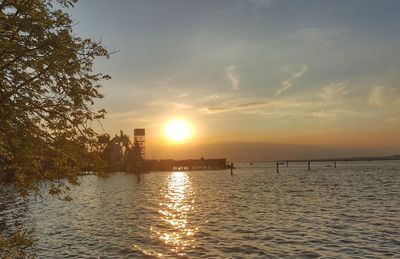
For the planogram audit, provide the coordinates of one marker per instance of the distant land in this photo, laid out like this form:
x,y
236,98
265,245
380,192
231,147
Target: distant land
x,y
369,158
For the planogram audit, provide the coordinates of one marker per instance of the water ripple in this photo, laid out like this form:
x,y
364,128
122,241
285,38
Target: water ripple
x,y
350,211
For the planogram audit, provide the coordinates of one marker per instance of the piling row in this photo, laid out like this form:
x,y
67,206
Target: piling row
x,y
308,165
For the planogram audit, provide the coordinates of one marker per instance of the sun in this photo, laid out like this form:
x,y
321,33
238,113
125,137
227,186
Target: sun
x,y
177,130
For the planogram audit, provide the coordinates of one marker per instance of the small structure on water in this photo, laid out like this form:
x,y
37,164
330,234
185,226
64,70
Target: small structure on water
x,y
188,164
139,137
124,156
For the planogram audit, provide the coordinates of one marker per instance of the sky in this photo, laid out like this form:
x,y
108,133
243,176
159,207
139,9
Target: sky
x,y
256,79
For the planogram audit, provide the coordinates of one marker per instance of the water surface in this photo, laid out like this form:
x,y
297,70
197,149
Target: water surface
x,y
349,211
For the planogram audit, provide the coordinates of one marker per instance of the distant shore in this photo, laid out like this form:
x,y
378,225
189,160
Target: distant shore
x,y
345,159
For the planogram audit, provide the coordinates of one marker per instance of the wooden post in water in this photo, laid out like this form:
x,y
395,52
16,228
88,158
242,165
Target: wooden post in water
x,y
231,168
335,164
287,164
308,165
277,167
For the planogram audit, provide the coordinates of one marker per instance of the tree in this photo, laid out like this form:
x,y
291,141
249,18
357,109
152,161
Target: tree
x,y
122,155
46,95
47,92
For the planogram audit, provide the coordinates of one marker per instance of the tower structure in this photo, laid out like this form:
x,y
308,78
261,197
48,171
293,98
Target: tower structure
x,y
139,136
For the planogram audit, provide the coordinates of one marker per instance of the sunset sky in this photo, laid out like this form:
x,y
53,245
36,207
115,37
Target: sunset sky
x,y
255,79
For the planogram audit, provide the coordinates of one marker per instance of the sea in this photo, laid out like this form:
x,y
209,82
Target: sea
x,y
351,211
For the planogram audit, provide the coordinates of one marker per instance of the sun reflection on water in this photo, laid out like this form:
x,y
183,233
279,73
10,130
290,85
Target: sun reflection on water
x,y
177,233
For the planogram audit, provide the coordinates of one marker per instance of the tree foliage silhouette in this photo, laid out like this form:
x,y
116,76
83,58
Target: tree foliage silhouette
x,y
47,94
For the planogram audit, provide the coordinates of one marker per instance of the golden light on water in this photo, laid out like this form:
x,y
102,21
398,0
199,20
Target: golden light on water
x,y
178,130
177,232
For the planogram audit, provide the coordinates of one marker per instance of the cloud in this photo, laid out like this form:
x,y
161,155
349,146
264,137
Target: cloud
x,y
288,83
235,106
382,96
183,95
330,114
242,105
333,91
333,114
281,108
233,76
165,81
303,109
377,96
231,73
180,106
394,118
213,97
276,114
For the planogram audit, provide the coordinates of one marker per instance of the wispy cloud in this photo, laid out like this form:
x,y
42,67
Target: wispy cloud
x,y
183,95
180,106
288,83
393,118
165,81
333,114
213,97
225,107
305,111
249,104
233,76
377,96
235,105
333,91
384,96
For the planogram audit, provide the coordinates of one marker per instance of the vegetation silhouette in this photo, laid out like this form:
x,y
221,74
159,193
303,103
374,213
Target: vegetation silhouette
x,y
121,155
47,93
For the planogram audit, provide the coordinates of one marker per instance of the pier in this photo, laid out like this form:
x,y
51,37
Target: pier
x,y
186,165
